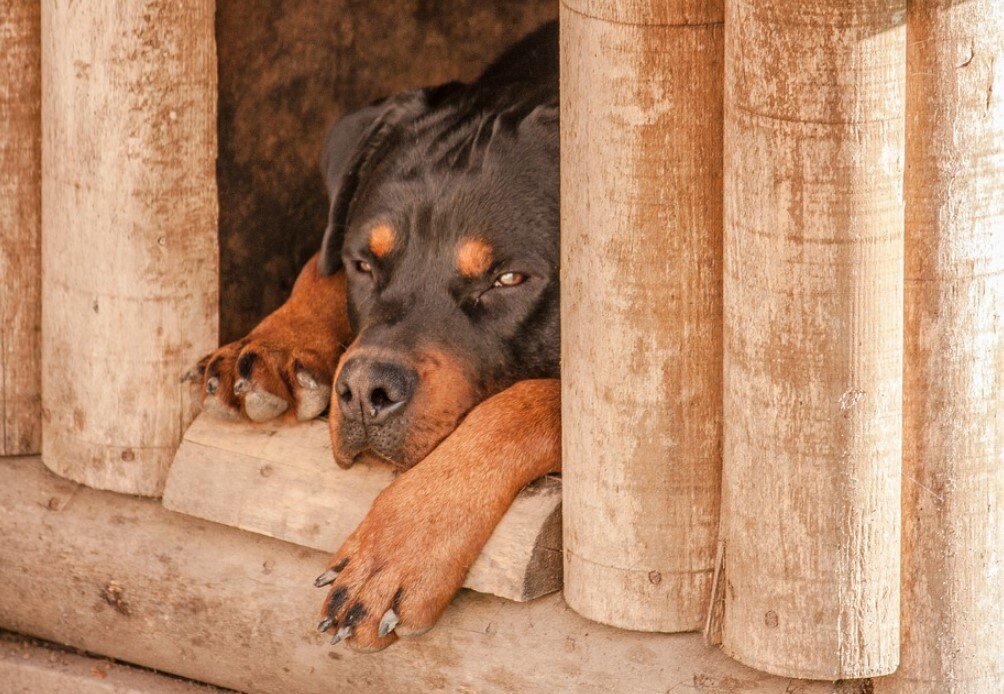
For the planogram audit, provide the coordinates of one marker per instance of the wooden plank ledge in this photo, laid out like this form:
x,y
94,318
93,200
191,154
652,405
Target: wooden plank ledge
x,y
280,480
236,609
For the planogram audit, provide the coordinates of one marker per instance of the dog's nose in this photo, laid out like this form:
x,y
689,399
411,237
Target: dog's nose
x,y
374,390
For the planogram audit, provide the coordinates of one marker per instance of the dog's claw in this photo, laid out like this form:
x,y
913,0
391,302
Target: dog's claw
x,y
241,386
194,374
388,622
212,385
306,380
325,625
341,634
326,579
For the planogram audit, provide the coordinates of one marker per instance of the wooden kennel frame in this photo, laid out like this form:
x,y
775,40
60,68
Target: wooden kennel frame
x,y
787,217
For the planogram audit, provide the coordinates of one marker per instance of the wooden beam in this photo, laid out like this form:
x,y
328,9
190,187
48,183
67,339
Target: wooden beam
x,y
129,233
28,666
814,121
122,576
953,391
280,480
641,209
20,227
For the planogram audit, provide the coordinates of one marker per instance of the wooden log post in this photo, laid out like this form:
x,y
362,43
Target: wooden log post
x,y
953,462
813,339
129,233
641,308
20,227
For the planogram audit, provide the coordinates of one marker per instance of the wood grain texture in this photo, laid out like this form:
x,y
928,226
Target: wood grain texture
x,y
236,609
20,227
641,313
953,394
28,666
129,233
814,103
280,480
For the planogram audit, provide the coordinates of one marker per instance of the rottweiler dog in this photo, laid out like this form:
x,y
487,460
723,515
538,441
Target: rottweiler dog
x,y
428,324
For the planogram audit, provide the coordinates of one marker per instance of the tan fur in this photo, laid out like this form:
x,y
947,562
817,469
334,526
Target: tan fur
x,y
474,257
309,330
382,239
429,526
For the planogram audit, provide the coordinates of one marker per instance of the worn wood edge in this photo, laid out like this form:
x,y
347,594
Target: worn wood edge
x,y
280,480
28,666
220,605
20,221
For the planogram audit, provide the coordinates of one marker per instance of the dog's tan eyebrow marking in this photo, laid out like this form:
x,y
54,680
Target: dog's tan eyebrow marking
x,y
382,238
474,257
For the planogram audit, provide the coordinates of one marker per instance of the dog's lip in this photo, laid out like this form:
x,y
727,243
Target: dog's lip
x,y
369,456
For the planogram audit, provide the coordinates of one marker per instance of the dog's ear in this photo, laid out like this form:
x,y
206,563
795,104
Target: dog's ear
x,y
352,148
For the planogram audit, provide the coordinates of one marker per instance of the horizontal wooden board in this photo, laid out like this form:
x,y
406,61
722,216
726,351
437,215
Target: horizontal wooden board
x,y
234,608
280,480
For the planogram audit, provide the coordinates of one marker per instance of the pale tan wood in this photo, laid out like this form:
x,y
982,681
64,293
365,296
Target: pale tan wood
x,y
814,104
641,309
29,667
237,609
20,227
280,480
953,393
129,233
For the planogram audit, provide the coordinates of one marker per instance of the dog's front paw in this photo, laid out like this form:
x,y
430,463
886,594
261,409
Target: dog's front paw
x,y
262,378
398,571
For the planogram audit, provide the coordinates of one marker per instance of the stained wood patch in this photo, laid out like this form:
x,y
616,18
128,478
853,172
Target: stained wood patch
x,y
280,480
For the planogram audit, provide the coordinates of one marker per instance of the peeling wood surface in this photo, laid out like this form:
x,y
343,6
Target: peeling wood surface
x,y
280,480
953,457
129,233
641,310
221,605
20,227
814,128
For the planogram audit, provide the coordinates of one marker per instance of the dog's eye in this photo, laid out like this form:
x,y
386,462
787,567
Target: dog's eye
x,y
509,279
364,267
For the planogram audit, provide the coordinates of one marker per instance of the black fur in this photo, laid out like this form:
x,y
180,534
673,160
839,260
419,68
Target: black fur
x,y
443,164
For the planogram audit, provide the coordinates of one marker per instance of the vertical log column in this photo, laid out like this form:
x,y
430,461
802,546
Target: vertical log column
x,y
814,104
953,470
641,308
20,227
129,232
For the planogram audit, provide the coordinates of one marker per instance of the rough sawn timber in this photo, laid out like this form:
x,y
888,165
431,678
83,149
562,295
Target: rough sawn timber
x,y
280,480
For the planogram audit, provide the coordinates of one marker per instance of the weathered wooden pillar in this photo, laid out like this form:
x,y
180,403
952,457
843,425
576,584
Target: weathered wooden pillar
x,y
20,227
813,344
953,440
641,308
129,232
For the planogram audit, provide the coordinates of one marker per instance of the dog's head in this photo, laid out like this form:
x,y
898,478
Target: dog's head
x,y
444,216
